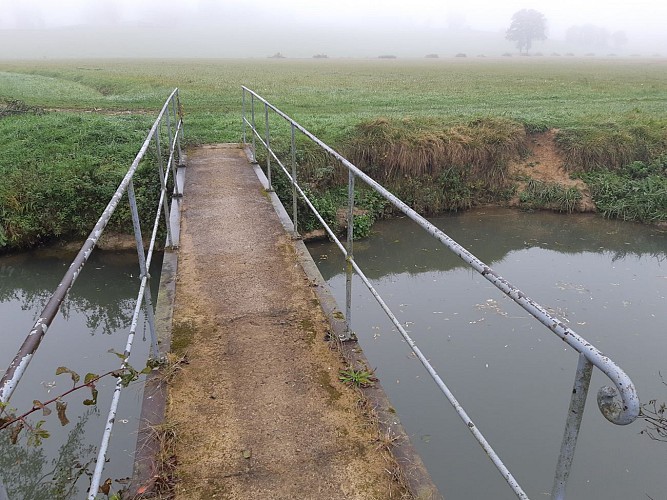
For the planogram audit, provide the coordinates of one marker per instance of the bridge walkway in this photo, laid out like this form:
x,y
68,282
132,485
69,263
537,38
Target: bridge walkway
x,y
259,410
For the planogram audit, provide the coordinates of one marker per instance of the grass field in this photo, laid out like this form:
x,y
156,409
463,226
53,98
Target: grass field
x,y
329,96
596,103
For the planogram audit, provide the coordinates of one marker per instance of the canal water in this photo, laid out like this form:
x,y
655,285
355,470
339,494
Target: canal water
x,y
606,279
94,320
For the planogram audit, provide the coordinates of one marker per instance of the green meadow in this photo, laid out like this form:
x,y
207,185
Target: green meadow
x,y
608,113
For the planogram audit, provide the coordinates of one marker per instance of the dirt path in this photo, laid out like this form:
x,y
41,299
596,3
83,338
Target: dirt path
x,y
259,411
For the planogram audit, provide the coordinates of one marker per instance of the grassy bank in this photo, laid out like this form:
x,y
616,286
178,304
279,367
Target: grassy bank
x,y
58,171
471,115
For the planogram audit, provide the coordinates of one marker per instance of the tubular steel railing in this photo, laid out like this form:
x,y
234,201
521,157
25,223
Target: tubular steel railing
x,y
618,404
171,119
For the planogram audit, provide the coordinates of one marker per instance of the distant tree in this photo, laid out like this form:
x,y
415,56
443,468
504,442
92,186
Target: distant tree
x,y
619,38
527,25
587,35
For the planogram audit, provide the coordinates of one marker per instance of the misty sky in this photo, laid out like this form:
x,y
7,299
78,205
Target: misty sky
x,y
305,27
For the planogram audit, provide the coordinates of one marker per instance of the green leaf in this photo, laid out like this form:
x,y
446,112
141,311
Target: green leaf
x,y
38,404
90,377
146,370
63,369
15,431
93,400
118,354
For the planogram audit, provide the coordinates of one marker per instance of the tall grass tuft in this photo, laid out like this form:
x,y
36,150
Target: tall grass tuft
x,y
480,148
550,196
436,167
637,191
611,145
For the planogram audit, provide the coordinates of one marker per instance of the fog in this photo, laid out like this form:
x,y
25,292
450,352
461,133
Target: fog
x,y
303,28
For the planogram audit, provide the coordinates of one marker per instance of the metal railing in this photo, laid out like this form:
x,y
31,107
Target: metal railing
x,y
619,404
169,118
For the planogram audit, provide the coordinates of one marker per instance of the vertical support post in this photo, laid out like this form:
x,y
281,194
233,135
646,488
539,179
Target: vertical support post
x,y
350,254
243,119
179,121
582,381
268,145
150,315
254,128
163,188
171,139
294,199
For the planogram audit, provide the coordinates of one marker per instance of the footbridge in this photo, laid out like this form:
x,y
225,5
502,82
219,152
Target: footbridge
x,y
258,402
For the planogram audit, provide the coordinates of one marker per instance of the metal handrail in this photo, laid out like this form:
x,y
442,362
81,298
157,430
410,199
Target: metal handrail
x,y
18,366
618,412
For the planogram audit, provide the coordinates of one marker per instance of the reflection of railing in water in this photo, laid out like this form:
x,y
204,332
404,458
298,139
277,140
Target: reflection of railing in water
x,y
618,412
169,118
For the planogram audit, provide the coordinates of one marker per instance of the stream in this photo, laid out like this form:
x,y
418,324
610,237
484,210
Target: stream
x,y
91,325
606,279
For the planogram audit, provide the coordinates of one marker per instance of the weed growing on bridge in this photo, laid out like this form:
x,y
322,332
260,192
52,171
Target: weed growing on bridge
x,y
357,378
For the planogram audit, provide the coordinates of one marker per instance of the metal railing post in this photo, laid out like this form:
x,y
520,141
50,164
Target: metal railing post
x,y
150,316
179,120
163,188
168,117
243,116
575,414
254,128
294,197
350,255
268,146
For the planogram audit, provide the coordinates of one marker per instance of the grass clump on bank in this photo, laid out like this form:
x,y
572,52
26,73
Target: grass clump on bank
x,y
637,191
435,167
58,171
612,145
549,196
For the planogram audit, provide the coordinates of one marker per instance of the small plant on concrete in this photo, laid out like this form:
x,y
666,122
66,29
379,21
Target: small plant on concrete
x,y
357,378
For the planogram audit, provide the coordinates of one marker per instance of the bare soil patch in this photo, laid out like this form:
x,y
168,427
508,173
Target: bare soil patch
x,y
546,165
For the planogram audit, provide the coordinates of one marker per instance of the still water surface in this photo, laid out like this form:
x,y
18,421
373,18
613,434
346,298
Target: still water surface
x,y
606,279
95,319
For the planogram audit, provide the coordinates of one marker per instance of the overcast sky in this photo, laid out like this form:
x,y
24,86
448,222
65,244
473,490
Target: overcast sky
x,y
271,24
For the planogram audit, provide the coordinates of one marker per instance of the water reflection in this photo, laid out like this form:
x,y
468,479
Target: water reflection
x,y
400,245
94,319
29,280
607,280
25,472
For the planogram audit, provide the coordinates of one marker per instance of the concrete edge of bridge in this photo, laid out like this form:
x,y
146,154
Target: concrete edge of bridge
x,y
414,472
154,400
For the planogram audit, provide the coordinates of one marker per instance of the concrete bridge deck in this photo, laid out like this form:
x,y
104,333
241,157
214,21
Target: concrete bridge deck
x,y
259,410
